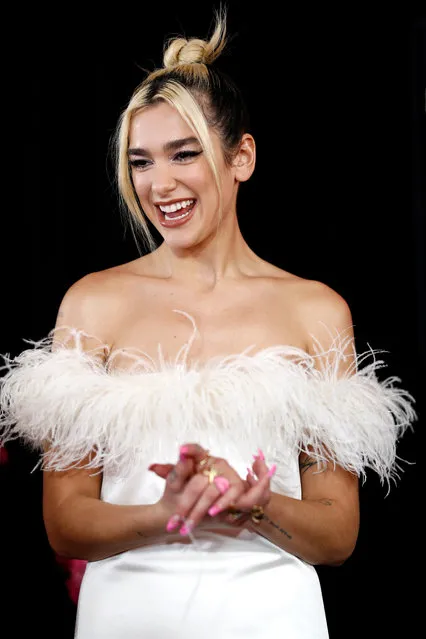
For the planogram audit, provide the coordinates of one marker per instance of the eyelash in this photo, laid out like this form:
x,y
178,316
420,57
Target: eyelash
x,y
184,155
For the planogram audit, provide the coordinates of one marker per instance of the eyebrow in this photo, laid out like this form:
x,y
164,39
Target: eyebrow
x,y
169,146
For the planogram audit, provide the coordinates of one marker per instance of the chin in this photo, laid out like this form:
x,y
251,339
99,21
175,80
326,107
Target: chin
x,y
180,244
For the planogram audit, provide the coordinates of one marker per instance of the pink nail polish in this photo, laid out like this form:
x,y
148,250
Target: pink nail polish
x,y
173,523
183,450
272,470
222,484
250,472
187,527
214,510
261,455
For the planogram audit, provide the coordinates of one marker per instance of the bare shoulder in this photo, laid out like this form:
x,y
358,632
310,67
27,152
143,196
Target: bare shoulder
x,y
91,304
321,311
320,300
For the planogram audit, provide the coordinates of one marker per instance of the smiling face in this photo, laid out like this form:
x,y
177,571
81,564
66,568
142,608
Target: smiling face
x,y
173,179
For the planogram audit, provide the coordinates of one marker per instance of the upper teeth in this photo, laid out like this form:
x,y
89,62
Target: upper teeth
x,y
176,206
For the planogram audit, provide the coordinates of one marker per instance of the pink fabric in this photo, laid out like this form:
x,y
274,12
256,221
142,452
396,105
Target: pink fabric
x,y
4,457
75,569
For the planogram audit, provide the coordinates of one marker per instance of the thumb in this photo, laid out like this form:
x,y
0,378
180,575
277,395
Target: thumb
x,y
162,470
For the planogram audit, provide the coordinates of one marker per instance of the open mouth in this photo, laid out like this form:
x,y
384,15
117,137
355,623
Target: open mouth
x,y
176,214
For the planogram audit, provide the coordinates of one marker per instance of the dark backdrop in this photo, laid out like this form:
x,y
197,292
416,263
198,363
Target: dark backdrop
x,y
338,113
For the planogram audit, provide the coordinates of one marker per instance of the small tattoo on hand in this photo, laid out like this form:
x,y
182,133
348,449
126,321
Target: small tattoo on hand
x,y
172,475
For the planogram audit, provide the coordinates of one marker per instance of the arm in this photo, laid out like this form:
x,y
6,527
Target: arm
x,y
78,523
81,526
322,527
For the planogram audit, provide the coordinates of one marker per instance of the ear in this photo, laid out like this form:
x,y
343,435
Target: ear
x,y
245,159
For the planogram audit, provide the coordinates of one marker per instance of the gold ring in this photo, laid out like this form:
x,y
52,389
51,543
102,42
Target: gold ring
x,y
257,514
235,515
210,473
205,461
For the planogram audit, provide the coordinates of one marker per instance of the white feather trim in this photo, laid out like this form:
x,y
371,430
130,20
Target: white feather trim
x,y
275,398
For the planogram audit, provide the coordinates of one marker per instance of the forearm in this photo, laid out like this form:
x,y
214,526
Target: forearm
x,y
90,529
319,532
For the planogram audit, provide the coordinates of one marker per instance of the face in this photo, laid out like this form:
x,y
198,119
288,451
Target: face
x,y
173,180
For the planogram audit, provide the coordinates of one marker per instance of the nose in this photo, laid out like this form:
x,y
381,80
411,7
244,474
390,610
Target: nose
x,y
163,181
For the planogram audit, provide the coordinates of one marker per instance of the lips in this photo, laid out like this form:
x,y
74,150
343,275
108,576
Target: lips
x,y
179,219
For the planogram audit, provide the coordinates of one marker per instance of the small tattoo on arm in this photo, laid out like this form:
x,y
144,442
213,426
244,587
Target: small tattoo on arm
x,y
326,502
140,533
277,526
307,463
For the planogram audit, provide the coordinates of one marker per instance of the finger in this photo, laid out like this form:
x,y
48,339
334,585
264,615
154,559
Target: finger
x,y
188,497
259,465
191,494
179,474
208,504
229,499
257,493
251,479
202,505
195,451
162,470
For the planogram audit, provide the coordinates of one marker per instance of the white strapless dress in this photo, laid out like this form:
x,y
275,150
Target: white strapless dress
x,y
216,584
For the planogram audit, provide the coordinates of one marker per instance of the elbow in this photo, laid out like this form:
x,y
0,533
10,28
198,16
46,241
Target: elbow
x,y
338,554
63,547
336,560
68,551
66,547
341,544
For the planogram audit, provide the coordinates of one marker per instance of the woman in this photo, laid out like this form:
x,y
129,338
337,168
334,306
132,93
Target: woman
x,y
202,415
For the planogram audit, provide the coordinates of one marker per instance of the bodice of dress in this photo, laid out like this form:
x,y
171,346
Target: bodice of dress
x,y
280,399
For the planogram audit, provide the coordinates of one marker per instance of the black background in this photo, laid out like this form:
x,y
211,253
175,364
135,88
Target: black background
x,y
337,103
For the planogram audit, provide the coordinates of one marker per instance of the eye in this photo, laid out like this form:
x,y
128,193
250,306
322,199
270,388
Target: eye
x,y
186,155
139,164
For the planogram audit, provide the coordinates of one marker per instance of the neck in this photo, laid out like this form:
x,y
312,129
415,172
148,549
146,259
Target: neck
x,y
223,256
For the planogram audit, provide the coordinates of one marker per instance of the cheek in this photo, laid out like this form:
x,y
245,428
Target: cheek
x,y
141,185
204,186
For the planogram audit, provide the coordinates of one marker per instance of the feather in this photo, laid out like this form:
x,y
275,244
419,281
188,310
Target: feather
x,y
275,398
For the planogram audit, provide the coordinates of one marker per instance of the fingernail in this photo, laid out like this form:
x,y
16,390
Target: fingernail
x,y
183,450
182,457
214,510
272,470
250,472
222,484
261,455
173,522
187,527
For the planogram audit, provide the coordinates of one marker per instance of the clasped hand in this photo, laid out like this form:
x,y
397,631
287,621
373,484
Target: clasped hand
x,y
202,485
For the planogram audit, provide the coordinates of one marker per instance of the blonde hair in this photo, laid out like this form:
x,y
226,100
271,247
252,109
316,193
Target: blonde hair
x,y
188,84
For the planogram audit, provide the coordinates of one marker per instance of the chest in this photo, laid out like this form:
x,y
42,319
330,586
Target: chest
x,y
210,326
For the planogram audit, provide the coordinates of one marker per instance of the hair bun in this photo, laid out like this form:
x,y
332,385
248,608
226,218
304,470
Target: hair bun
x,y
181,51
196,51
